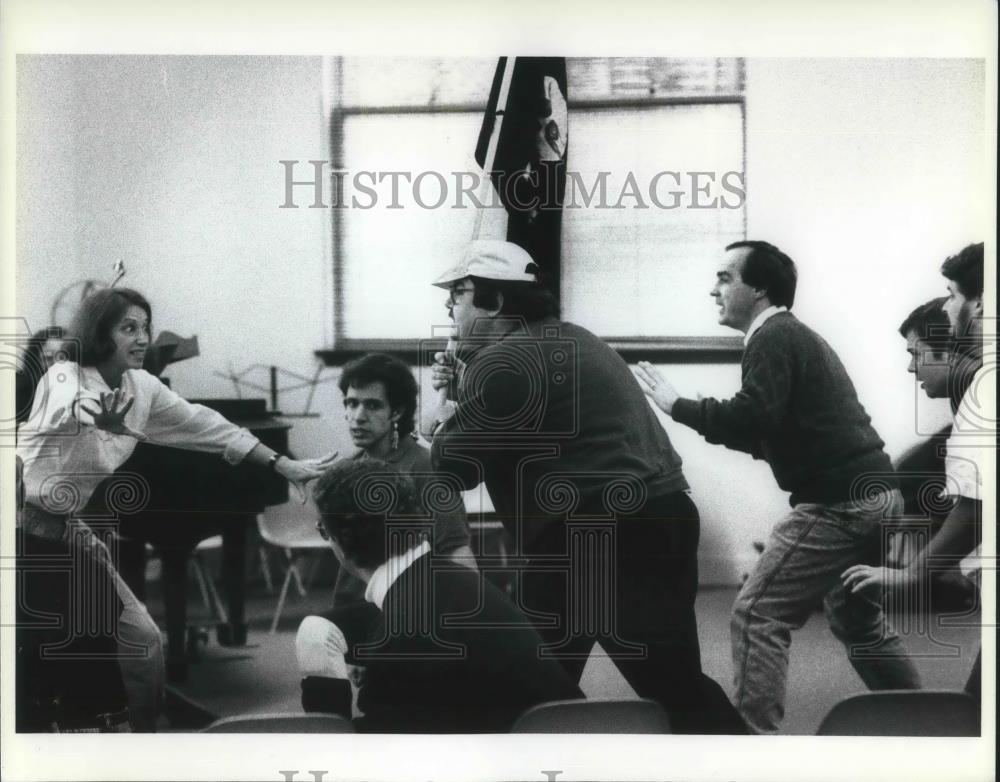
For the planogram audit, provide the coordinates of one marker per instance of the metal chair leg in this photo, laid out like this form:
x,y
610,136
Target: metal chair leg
x,y
283,595
293,559
311,572
220,609
209,594
265,568
199,574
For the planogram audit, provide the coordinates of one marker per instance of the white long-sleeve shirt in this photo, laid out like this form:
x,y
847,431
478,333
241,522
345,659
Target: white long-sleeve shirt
x,y
973,440
65,457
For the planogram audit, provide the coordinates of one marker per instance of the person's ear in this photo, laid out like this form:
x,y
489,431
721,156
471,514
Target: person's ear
x,y
977,306
499,308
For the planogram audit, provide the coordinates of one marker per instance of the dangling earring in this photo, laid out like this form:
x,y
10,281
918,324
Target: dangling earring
x,y
395,435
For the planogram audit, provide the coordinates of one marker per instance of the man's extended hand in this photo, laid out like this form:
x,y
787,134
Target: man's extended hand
x,y
112,419
656,386
858,577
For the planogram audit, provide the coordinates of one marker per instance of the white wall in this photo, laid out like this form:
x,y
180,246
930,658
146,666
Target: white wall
x,y
170,163
47,220
868,173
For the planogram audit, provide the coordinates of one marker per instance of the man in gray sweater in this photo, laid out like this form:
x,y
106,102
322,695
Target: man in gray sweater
x,y
798,410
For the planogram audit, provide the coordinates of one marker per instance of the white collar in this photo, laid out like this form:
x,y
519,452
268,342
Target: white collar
x,y
385,575
94,377
761,319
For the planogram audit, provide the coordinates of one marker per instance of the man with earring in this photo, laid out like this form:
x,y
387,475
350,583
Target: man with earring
x,y
380,399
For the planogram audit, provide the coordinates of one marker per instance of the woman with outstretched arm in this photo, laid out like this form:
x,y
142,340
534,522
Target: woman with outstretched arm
x,y
85,422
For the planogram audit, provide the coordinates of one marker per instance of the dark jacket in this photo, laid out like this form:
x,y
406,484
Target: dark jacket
x,y
448,653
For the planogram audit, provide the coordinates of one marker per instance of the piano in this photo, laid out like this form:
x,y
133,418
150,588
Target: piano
x,y
194,496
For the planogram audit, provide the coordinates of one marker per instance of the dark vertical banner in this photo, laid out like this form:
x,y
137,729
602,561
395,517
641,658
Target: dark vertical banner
x,y
529,168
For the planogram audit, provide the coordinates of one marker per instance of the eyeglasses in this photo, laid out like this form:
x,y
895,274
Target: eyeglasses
x,y
454,293
322,530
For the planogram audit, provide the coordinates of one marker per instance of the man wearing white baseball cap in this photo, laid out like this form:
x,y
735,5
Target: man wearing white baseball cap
x,y
586,481
492,259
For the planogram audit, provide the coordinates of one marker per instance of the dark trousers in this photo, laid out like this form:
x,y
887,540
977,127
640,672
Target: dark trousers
x,y
630,585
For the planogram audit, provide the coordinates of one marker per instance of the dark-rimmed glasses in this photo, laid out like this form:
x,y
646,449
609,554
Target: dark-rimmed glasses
x,y
454,293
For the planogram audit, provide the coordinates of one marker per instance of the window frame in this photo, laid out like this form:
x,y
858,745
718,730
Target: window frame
x,y
655,349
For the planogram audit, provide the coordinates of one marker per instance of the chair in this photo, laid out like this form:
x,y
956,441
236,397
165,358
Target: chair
x,y
903,713
281,723
594,716
287,527
206,583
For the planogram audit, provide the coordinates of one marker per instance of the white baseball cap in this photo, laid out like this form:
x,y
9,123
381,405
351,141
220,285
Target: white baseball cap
x,y
491,259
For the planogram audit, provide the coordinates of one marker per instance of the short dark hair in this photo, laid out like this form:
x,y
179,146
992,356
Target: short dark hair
x,y
354,498
966,270
400,385
532,301
769,268
98,313
930,323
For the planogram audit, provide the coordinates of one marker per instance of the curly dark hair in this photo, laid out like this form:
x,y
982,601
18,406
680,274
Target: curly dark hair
x,y
400,385
98,313
966,269
355,497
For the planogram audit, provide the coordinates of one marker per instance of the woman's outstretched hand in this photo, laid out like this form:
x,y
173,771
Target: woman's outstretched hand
x,y
298,472
111,417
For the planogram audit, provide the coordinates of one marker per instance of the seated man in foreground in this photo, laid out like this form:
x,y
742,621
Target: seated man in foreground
x,y
448,652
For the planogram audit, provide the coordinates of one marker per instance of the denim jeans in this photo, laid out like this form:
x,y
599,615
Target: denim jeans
x,y
140,649
801,564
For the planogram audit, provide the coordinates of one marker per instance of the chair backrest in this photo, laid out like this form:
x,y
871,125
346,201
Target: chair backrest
x,y
289,526
903,713
281,723
587,716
